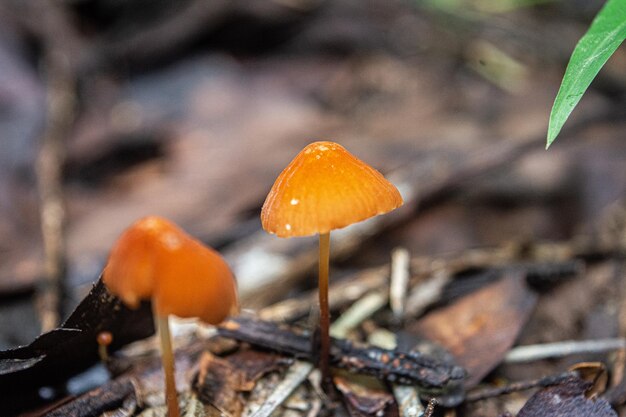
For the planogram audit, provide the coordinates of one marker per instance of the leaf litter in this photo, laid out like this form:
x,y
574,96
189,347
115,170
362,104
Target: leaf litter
x,y
477,330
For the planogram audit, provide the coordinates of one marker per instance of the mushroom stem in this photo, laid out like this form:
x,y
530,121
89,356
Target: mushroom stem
x,y
324,260
104,339
167,357
103,354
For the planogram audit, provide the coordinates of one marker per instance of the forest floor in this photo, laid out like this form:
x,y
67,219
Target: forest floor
x,y
191,111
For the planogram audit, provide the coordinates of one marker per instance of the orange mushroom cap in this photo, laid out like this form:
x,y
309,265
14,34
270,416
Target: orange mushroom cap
x,y
325,188
104,338
155,259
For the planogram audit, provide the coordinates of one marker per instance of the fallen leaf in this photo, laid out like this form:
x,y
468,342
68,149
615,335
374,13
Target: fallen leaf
x,y
220,381
364,396
480,328
566,400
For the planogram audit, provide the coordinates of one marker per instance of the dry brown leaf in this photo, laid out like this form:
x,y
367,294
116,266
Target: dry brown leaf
x,y
220,381
479,328
595,373
364,396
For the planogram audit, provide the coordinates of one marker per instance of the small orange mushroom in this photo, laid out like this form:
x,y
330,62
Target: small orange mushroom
x,y
104,339
325,188
156,260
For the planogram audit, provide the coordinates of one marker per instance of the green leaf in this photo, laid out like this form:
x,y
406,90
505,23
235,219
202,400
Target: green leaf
x,y
606,33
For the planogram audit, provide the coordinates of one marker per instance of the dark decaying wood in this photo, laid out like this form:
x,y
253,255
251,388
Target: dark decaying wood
x,y
55,356
406,368
96,402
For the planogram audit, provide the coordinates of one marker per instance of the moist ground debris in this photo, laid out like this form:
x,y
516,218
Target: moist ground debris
x,y
190,109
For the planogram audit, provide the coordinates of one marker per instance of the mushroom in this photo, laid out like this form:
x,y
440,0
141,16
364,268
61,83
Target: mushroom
x,y
104,339
322,189
155,260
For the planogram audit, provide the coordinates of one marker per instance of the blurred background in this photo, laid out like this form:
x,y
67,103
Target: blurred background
x,y
111,110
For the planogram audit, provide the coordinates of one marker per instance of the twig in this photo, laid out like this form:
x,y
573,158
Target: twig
x,y
400,263
49,180
483,394
359,311
296,375
531,353
61,105
427,293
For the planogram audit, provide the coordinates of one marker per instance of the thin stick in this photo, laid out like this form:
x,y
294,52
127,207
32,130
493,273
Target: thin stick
x,y
400,262
324,260
427,292
296,374
357,313
531,353
50,25
167,357
60,115
483,394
